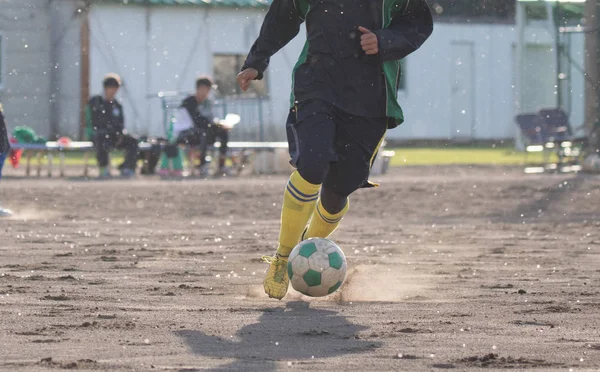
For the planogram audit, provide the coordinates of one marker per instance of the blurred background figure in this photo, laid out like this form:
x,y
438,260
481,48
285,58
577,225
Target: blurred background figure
x,y
205,130
4,151
107,129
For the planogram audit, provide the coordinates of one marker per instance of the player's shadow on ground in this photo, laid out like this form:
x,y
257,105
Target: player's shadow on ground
x,y
296,333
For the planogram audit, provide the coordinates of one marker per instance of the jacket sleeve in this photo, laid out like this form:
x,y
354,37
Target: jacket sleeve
x,y
281,25
409,29
96,116
120,120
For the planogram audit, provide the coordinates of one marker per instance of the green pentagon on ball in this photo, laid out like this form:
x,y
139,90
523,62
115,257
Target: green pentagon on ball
x,y
307,250
290,270
312,278
335,260
334,288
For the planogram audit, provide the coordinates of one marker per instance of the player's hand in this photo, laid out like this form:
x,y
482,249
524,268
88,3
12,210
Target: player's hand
x,y
245,77
368,41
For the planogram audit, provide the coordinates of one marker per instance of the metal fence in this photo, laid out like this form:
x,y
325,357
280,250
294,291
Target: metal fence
x,y
250,109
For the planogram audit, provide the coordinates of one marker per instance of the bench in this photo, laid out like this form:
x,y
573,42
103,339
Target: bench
x,y
53,148
268,157
50,149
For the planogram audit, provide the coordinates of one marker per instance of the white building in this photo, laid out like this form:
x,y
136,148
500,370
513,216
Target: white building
x,y
465,82
460,85
26,62
164,48
549,58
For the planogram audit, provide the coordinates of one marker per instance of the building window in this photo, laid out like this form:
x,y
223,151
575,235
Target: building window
x,y
474,10
566,14
226,68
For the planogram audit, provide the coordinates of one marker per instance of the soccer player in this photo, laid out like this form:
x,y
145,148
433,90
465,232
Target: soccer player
x,y
108,129
4,151
343,101
205,130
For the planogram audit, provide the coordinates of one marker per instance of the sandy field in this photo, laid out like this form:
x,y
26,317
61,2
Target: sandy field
x,y
451,268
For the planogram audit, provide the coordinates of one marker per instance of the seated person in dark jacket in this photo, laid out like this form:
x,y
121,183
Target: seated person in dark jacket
x,y
108,125
205,131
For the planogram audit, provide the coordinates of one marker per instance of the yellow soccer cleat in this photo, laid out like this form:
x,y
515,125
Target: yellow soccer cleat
x,y
276,282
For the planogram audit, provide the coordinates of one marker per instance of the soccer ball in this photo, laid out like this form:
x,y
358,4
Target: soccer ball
x,y
317,267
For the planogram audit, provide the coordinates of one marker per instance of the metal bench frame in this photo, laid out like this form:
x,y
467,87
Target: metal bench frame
x,y
50,149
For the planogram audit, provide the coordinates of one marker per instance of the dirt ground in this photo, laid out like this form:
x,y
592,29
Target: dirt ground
x,y
470,269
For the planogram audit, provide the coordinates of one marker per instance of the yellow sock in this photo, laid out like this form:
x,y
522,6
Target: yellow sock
x,y
299,202
323,223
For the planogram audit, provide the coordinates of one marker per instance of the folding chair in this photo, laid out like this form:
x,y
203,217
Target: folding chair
x,y
534,134
560,136
556,124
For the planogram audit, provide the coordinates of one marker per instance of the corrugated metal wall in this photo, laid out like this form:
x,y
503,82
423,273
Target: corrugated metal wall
x,y
27,65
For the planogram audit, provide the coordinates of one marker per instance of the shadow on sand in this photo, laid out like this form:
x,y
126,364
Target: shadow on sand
x,y
295,333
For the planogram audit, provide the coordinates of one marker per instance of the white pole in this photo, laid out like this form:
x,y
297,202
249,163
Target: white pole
x,y
148,129
520,65
592,72
553,31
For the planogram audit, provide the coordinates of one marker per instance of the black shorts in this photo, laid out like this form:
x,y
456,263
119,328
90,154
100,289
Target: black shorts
x,y
204,137
321,135
192,137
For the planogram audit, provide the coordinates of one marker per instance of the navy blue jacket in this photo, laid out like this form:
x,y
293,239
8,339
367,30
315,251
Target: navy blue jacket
x,y
107,116
333,66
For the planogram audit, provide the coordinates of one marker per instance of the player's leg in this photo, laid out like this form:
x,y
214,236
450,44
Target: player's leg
x,y
311,134
152,159
357,142
3,212
223,136
329,212
103,143
311,137
131,147
191,138
171,157
2,159
206,140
